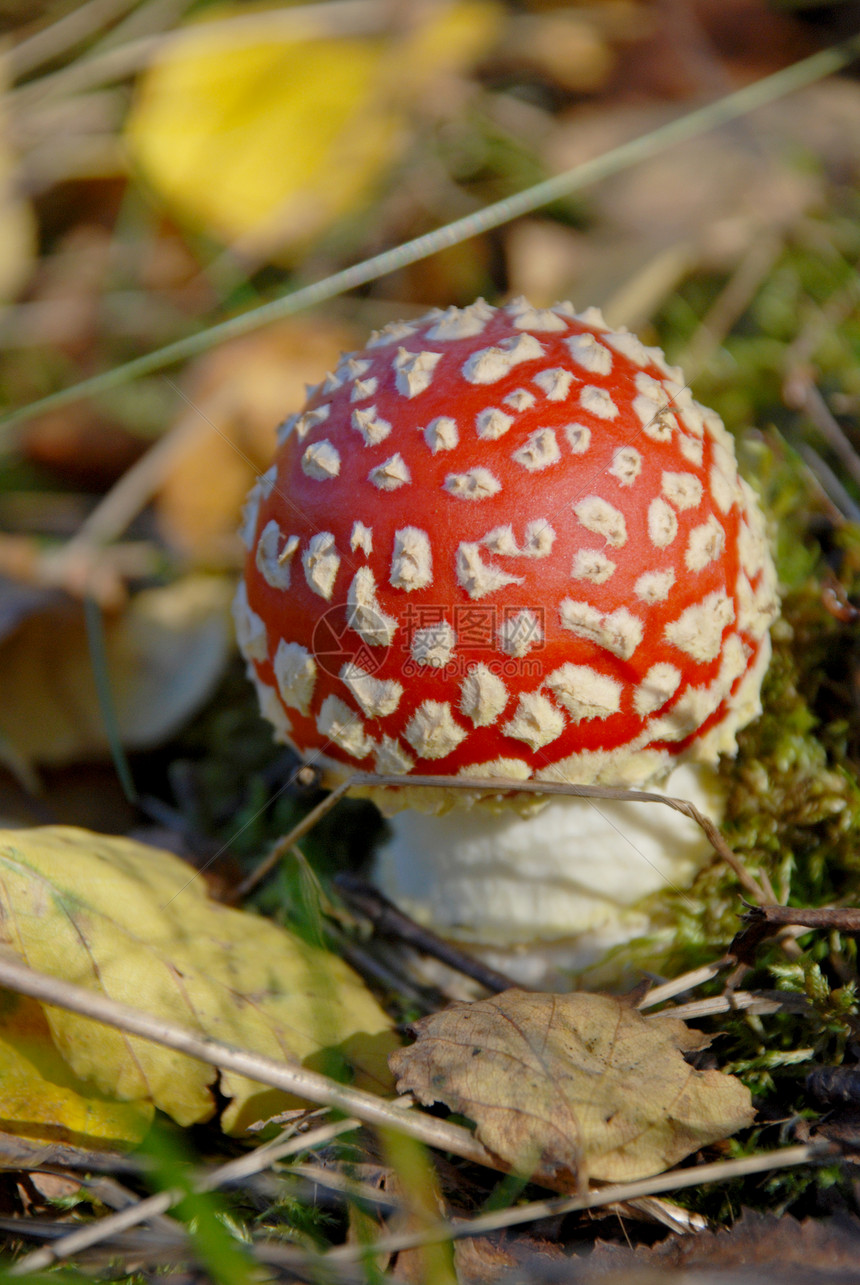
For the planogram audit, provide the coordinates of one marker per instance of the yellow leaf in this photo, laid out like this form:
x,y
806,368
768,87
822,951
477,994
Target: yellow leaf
x,y
40,1098
267,138
136,924
567,1087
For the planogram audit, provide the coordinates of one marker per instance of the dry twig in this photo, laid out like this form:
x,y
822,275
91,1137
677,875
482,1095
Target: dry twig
x,y
673,1180
764,921
292,1079
762,893
387,919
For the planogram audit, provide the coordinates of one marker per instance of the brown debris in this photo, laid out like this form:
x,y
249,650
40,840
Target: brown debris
x,y
761,922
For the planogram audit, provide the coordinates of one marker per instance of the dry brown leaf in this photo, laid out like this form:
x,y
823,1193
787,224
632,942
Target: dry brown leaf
x,y
237,396
571,1087
484,1260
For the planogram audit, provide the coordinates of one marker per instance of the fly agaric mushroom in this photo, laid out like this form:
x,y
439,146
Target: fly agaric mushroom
x,y
508,544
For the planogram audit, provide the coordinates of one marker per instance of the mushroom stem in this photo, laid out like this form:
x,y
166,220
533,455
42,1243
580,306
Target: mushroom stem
x,y
527,886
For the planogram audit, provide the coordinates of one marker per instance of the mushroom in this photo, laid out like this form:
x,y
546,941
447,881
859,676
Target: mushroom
x,y
508,544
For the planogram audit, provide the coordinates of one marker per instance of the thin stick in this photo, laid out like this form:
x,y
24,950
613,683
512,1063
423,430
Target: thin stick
x,y
283,846
761,922
843,919
691,125
764,896
309,1085
388,920
242,1167
673,1180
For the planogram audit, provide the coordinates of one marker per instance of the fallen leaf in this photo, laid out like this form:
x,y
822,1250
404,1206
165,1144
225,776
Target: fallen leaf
x,y
135,923
571,1087
236,397
165,652
41,1098
265,131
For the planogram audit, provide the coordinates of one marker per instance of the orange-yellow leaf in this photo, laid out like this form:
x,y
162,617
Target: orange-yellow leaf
x,y
42,1099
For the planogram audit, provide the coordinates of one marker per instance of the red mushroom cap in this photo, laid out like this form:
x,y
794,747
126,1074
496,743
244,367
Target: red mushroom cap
x,y
506,543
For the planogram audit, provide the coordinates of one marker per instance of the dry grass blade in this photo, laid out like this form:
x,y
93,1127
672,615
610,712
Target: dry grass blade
x,y
283,846
686,982
735,1002
829,484
114,60
53,41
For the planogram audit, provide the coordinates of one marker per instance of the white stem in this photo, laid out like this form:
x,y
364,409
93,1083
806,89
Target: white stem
x,y
576,871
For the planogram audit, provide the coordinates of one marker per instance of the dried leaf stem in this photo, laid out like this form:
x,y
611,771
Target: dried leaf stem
x,y
293,1079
